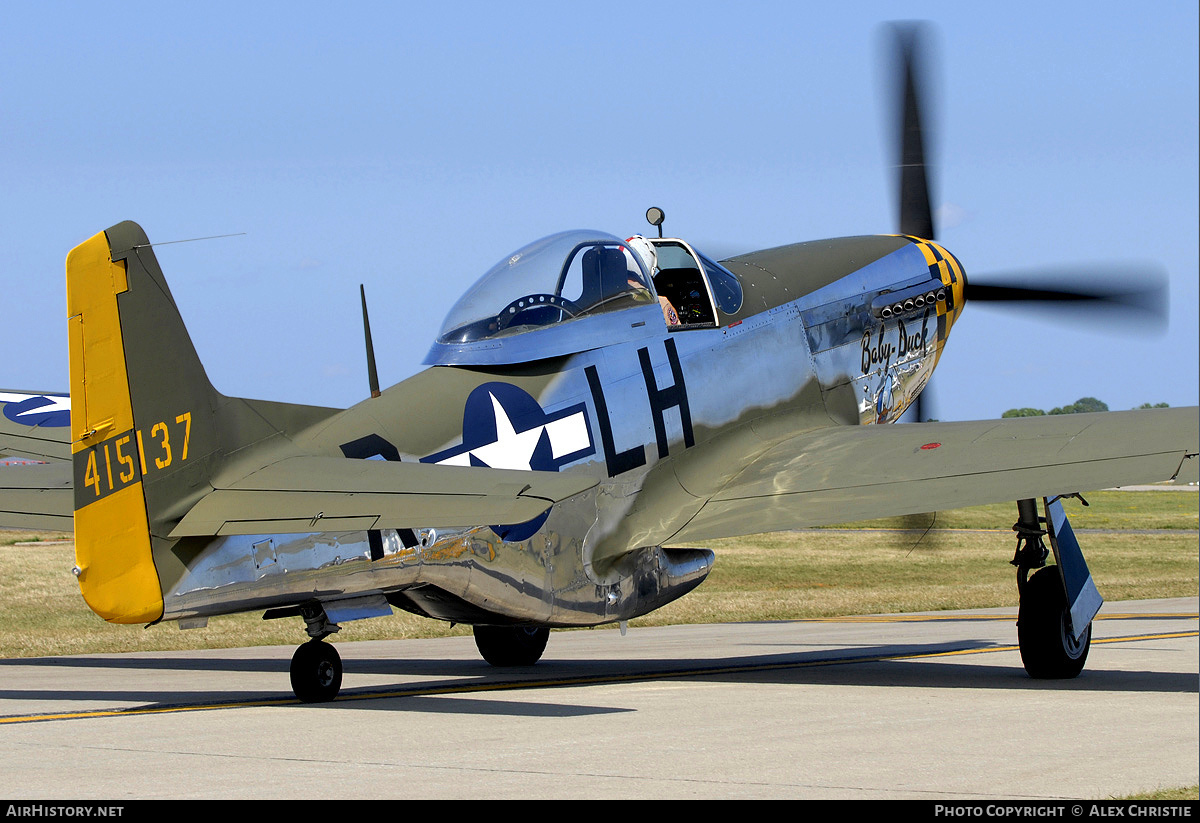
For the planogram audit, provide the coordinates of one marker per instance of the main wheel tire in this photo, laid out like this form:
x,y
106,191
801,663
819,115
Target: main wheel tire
x,y
511,645
316,672
1048,648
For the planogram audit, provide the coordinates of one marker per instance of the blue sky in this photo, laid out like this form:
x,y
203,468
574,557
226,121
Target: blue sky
x,y
408,147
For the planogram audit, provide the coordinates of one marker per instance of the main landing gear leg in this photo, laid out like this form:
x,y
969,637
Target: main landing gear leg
x,y
1057,602
316,669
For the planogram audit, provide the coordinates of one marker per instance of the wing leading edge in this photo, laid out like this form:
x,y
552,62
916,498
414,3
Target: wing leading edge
x,y
863,472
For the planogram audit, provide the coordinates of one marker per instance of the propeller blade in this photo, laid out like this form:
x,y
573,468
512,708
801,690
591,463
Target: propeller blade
x,y
916,211
1130,296
910,47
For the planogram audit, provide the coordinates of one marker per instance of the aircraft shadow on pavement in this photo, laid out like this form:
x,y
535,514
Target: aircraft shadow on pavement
x,y
858,666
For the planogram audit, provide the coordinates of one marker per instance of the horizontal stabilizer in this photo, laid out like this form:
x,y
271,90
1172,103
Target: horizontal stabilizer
x,y
35,426
326,494
37,496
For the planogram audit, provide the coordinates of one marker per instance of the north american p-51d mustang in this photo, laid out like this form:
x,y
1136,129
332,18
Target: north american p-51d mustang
x,y
593,407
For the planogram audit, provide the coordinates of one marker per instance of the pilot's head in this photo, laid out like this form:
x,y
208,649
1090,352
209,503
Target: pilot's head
x,y
645,251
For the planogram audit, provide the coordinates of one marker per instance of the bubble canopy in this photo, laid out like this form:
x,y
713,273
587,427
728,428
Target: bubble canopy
x,y
550,281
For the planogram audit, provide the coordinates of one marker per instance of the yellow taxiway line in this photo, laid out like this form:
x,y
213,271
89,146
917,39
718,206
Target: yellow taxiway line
x,y
459,688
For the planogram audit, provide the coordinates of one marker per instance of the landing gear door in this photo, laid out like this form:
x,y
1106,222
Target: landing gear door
x,y
1083,599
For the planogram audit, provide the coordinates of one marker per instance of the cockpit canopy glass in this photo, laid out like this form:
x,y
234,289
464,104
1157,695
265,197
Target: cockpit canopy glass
x,y
726,288
552,280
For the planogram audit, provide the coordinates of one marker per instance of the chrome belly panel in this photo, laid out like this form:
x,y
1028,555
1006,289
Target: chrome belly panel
x,y
539,581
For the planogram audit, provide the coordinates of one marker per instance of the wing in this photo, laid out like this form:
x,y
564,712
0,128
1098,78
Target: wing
x,y
35,426
36,496
324,494
863,472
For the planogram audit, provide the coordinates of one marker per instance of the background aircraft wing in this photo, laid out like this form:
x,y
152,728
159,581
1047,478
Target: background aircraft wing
x,y
35,426
853,473
324,494
36,496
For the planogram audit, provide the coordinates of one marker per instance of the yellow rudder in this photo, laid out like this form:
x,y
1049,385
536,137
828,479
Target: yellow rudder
x,y
117,575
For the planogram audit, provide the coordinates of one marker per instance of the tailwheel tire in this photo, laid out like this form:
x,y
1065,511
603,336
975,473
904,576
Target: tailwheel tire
x,y
1048,648
511,645
316,672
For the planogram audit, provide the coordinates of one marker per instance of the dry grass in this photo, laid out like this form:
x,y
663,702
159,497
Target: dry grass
x,y
816,574
1185,793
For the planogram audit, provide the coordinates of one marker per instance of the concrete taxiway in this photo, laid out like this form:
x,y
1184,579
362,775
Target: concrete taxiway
x,y
917,706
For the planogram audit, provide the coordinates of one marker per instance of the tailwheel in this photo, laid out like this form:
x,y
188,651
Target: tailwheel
x,y
511,645
316,672
1049,649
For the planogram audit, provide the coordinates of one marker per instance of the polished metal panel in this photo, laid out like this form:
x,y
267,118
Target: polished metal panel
x,y
665,419
887,360
356,608
539,581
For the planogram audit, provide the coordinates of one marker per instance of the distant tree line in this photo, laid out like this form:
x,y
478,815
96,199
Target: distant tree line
x,y
1083,404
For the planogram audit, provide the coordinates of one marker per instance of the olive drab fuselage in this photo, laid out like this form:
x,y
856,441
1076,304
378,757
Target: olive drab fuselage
x,y
661,416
